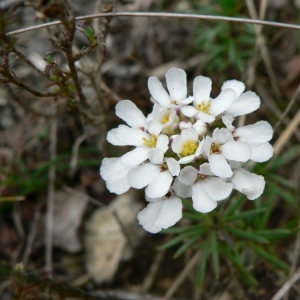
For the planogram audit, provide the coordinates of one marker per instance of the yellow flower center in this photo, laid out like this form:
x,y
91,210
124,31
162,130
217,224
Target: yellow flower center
x,y
166,119
150,142
204,107
189,148
215,148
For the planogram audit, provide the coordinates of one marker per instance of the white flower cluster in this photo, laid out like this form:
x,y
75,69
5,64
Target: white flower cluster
x,y
174,155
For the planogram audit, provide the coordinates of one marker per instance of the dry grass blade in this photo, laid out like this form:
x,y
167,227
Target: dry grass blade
x,y
285,288
162,15
287,133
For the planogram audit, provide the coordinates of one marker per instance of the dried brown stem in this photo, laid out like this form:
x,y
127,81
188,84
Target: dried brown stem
x,y
32,233
26,106
182,276
50,197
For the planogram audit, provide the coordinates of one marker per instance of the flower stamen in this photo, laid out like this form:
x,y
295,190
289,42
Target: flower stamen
x,y
166,119
215,148
189,148
204,107
151,143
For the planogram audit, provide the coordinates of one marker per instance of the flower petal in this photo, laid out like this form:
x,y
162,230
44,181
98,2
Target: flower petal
x,y
206,118
189,134
201,200
261,153
134,157
189,110
170,212
227,121
158,92
237,151
245,104
148,216
219,166
130,136
221,135
222,102
173,166
156,156
250,184
141,176
162,142
188,175
216,188
182,190
130,113
115,174
255,134
111,138
111,166
176,83
154,127
235,85
205,169
187,100
201,89
160,185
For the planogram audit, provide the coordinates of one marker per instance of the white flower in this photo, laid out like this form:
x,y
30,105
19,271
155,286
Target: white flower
x,y
187,146
115,174
205,108
161,213
257,136
206,188
220,148
250,184
166,116
244,103
157,175
176,83
131,114
145,141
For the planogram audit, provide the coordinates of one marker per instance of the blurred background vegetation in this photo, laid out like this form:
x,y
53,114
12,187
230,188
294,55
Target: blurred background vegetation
x,y
59,87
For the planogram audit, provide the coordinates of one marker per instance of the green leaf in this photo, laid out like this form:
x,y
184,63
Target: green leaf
x,y
206,249
274,234
186,246
284,159
235,204
176,240
277,178
271,258
247,235
193,228
246,276
244,215
49,59
188,205
196,216
215,253
288,197
89,31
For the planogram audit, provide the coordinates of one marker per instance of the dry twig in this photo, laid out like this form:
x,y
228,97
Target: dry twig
x,y
182,276
50,197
